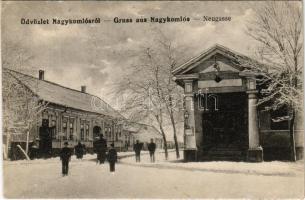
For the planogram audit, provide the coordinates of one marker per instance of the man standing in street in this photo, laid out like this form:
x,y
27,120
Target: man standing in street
x,y
112,158
45,142
65,157
101,148
137,147
79,150
151,149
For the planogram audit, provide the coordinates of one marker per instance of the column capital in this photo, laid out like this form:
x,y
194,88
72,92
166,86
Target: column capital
x,y
188,80
252,94
189,95
188,86
252,91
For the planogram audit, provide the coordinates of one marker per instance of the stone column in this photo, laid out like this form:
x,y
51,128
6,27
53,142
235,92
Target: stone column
x,y
190,150
252,121
255,151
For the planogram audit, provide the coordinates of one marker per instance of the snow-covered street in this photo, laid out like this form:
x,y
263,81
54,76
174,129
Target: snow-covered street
x,y
163,179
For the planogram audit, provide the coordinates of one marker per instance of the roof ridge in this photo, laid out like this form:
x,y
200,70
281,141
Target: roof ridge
x,y
53,83
65,87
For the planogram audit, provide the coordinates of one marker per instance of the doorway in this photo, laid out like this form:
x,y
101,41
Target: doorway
x,y
226,127
96,132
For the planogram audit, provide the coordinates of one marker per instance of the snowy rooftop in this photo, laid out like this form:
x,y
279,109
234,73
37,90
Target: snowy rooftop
x,y
64,96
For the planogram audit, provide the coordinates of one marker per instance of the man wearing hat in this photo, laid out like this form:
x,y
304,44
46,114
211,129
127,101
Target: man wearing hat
x,y
112,158
65,157
101,148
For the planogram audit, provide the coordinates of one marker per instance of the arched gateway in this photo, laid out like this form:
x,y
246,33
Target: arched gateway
x,y
221,111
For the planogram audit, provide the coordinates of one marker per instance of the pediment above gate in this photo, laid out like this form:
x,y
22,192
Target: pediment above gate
x,y
226,59
222,66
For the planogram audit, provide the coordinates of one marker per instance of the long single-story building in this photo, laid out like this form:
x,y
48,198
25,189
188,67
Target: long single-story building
x,y
222,118
144,133
69,115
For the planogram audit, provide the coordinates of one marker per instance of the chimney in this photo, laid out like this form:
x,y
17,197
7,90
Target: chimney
x,y
83,89
41,74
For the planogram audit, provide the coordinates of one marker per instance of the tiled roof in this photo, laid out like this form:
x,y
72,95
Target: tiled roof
x,y
60,95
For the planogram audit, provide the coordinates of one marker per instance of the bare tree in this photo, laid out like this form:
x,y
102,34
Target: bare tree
x,y
277,27
141,94
21,106
152,93
171,94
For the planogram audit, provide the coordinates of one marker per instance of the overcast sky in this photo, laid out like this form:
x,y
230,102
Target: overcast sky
x,y
95,55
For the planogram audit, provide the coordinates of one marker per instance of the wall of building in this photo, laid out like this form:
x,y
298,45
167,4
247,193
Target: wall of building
x,y
74,125
275,138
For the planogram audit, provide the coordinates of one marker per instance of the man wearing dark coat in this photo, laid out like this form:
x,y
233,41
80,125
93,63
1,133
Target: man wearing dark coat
x,y
65,157
101,148
79,150
112,158
137,147
151,149
45,143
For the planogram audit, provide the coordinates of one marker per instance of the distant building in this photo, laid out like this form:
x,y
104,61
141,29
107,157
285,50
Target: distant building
x,y
70,115
144,133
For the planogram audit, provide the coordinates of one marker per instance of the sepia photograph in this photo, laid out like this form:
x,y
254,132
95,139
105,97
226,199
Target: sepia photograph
x,y
152,99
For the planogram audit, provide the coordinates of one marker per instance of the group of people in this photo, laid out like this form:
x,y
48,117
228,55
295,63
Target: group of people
x,y
66,153
137,147
100,147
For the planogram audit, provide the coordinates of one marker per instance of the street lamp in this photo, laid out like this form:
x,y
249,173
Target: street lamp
x,y
186,121
186,115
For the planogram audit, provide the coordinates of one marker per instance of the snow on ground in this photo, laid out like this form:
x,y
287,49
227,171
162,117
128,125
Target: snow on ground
x,y
56,159
263,168
42,179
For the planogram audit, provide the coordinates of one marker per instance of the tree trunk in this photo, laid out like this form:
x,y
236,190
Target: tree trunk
x,y
175,136
164,141
21,149
6,153
27,142
292,140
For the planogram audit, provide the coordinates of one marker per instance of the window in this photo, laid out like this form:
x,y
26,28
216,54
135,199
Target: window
x,y
278,121
120,131
71,128
64,129
129,141
106,131
116,133
87,132
82,131
53,129
109,132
